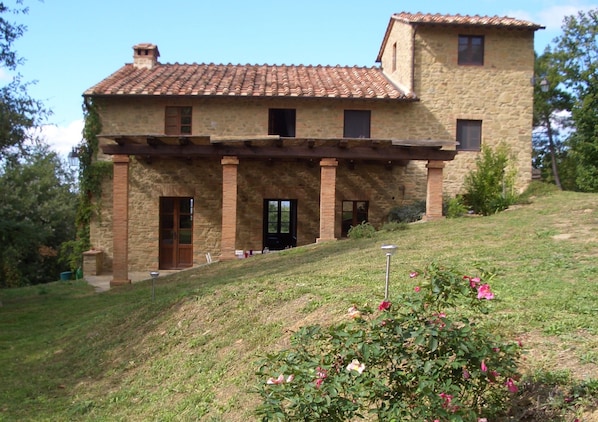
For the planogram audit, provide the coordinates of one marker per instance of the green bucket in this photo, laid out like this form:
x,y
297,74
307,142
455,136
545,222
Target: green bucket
x,y
67,275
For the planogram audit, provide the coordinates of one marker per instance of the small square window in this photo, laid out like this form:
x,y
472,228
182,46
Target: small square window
x,y
357,124
469,135
281,121
178,121
471,50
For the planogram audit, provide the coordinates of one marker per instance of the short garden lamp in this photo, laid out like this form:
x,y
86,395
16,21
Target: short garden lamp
x,y
154,275
389,250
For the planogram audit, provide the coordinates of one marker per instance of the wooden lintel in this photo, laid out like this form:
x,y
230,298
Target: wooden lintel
x,y
120,141
311,143
343,143
153,141
247,143
360,153
183,140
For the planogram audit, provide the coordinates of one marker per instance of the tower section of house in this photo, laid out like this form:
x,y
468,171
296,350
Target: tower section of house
x,y
211,158
472,76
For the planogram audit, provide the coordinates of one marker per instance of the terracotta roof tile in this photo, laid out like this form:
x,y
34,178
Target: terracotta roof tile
x,y
465,20
251,81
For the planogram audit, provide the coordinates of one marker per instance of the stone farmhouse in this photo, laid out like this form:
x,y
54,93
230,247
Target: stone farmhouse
x,y
213,158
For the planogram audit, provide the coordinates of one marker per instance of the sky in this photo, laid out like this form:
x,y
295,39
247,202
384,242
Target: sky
x,y
70,45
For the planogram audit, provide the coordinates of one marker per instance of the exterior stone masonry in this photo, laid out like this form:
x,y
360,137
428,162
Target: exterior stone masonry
x,y
499,93
428,93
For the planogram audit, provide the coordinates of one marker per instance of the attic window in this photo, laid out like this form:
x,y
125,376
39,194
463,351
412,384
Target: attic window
x,y
281,121
357,124
471,50
178,121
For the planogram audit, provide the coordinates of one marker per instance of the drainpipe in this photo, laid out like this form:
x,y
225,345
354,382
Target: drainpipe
x,y
413,59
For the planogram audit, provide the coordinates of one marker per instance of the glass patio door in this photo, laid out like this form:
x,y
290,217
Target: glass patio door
x,y
176,233
280,223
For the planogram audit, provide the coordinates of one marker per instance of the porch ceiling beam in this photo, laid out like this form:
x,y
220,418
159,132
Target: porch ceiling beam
x,y
280,152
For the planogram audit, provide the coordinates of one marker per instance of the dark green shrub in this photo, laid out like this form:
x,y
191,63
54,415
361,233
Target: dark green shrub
x,y
455,207
490,187
408,213
361,231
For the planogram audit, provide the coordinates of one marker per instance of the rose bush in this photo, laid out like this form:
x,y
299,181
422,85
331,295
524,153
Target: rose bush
x,y
425,356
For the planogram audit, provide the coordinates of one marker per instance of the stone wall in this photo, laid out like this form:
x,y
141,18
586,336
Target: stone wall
x,y
498,93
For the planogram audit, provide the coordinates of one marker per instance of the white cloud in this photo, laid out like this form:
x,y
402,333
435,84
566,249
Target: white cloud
x,y
5,76
61,138
553,16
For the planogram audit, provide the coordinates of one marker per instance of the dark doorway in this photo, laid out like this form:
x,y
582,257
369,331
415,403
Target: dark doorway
x,y
354,213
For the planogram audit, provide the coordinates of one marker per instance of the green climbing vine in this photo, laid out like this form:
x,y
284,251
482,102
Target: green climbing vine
x,y
91,175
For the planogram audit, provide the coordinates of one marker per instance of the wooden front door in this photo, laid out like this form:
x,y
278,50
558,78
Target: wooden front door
x,y
176,233
280,224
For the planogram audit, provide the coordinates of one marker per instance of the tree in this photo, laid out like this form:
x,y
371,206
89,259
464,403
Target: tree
x,y
36,196
18,112
37,212
576,57
551,117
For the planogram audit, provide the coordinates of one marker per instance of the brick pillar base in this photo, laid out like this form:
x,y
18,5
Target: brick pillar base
x,y
229,208
434,192
327,199
120,219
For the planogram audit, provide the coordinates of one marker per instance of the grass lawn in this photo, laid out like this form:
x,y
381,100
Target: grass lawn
x,y
68,353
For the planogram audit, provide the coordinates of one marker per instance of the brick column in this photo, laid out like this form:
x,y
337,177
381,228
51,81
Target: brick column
x,y
434,193
229,207
327,198
120,220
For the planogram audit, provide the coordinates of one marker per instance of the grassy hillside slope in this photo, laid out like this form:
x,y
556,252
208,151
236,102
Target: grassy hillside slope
x,y
67,353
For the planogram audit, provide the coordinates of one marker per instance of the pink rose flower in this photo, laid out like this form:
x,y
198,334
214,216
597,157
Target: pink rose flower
x,y
484,292
384,305
511,385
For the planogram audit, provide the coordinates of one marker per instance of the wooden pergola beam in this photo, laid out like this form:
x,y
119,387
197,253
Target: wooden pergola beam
x,y
389,153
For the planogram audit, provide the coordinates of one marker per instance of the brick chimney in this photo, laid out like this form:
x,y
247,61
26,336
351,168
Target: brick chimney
x,y
145,55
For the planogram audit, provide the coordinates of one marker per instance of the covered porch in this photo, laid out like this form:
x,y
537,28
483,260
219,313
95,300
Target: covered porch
x,y
327,154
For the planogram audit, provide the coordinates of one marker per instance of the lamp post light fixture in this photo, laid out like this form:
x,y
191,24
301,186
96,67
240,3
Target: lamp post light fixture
x,y
154,275
543,84
389,250
73,157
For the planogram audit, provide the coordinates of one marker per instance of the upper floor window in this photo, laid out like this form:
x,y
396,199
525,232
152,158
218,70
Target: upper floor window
x,y
281,121
178,121
471,50
469,135
357,124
